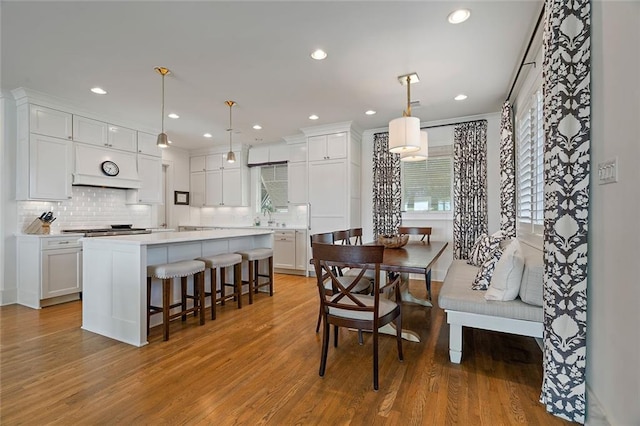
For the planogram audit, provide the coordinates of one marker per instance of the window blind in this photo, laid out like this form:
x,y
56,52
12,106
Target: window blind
x,y
274,186
427,185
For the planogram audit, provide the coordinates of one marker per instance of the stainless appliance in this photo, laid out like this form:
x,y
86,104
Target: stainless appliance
x,y
109,232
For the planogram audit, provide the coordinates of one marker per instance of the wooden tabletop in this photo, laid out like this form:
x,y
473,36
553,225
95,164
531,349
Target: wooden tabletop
x,y
416,257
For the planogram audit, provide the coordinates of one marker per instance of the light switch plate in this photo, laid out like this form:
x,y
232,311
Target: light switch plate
x,y
608,171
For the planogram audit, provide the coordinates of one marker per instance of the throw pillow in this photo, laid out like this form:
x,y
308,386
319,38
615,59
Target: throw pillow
x,y
505,282
483,277
482,249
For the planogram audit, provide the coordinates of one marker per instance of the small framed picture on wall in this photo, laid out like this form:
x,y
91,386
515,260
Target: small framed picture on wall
x,y
181,198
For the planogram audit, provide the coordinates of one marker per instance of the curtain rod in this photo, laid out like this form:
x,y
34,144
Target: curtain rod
x,y
526,52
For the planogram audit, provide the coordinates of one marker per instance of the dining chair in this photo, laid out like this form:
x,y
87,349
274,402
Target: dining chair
x,y
355,236
341,237
345,307
363,284
425,231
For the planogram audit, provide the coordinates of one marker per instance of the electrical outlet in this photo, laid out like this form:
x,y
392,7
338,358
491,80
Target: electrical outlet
x,y
608,171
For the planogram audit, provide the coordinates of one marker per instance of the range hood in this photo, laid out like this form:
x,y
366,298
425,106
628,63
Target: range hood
x,y
89,169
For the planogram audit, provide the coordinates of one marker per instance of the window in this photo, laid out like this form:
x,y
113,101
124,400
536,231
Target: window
x,y
427,185
274,188
530,167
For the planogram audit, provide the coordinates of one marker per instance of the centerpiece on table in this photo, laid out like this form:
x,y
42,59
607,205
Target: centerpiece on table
x,y
393,241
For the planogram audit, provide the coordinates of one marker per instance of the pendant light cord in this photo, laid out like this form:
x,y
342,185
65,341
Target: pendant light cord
x,y
162,120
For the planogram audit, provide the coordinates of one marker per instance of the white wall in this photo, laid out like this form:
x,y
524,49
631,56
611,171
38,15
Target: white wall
x,y
8,209
613,316
442,224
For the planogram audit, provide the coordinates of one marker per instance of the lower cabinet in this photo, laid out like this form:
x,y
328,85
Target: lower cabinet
x,y
49,269
290,251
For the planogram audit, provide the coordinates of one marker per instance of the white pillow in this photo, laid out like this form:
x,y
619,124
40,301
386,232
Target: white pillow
x,y
506,278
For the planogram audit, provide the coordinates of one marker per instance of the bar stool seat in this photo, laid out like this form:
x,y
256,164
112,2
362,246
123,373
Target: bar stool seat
x,y
221,262
253,258
167,272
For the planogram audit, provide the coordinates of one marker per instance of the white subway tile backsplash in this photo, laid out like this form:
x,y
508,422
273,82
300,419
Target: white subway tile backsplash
x,y
90,207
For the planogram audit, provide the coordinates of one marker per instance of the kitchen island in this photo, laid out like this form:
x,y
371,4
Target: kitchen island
x,y
114,273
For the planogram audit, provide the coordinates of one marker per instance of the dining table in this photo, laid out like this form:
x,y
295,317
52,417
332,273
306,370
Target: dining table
x,y
416,257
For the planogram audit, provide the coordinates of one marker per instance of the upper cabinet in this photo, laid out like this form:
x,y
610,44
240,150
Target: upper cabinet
x,y
147,144
328,147
49,122
215,182
94,132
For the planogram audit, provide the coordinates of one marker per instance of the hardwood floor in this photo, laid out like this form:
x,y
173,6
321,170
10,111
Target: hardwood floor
x,y
259,365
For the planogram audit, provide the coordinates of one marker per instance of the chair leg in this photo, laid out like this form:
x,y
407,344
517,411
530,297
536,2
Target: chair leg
x,y
271,276
214,294
166,303
375,358
148,303
223,283
251,282
256,271
237,279
360,337
427,280
325,348
319,320
335,336
199,277
398,322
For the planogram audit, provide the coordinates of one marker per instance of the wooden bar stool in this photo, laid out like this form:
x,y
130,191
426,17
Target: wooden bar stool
x,y
253,257
221,262
166,273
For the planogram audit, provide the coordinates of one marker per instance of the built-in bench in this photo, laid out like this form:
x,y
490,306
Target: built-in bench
x,y
467,307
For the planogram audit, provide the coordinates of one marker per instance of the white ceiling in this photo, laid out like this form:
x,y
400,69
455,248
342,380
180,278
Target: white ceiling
x,y
257,53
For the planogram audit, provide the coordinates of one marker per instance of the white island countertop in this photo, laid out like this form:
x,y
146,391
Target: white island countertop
x,y
178,237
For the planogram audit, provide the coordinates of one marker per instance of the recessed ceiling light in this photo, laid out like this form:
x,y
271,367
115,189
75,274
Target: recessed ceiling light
x,y
460,97
318,54
173,115
313,117
257,127
207,135
458,16
99,91
370,112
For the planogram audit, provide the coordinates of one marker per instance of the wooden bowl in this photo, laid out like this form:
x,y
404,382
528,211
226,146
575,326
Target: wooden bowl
x,y
393,241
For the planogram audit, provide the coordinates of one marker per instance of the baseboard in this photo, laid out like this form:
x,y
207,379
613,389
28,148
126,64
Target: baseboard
x,y
595,413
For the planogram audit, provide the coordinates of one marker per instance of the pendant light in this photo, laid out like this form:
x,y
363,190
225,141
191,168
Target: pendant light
x,y
404,132
420,155
231,157
163,140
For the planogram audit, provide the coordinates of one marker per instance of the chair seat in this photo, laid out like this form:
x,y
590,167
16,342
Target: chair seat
x,y
221,260
175,269
363,284
256,254
369,273
386,306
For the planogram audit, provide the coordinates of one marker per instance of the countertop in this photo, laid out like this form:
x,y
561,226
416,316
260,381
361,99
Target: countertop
x,y
177,237
275,228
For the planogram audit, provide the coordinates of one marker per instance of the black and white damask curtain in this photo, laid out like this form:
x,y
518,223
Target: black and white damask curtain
x,y
387,195
469,185
507,172
567,118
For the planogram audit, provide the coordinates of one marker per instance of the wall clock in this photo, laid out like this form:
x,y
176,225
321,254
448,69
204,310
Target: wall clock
x,y
110,168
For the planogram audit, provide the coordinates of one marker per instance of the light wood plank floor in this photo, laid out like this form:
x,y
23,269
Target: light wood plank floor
x,y
259,365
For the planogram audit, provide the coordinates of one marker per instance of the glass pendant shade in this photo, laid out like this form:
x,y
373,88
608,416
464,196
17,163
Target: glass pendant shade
x,y
163,140
404,135
422,154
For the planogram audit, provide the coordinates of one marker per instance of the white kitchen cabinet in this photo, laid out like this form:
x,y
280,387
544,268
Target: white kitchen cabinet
x,y
328,194
150,174
214,182
147,144
122,138
88,130
284,249
197,189
297,183
50,122
327,147
302,244
49,269
298,153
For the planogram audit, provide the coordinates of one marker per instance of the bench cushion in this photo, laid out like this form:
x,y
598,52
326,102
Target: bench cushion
x,y
456,295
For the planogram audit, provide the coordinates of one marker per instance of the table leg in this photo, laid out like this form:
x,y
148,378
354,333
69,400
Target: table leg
x,y
390,329
406,296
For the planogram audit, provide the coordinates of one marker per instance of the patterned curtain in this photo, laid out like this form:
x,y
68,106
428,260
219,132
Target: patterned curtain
x,y
469,185
387,196
567,116
507,172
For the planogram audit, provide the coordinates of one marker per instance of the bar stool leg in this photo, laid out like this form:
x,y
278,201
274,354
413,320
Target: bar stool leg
x,y
183,293
148,303
271,276
256,270
199,277
166,303
237,279
251,273
214,292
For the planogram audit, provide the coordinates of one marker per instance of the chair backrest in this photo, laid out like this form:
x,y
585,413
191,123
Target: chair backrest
x,y
356,234
326,238
425,231
341,237
328,256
